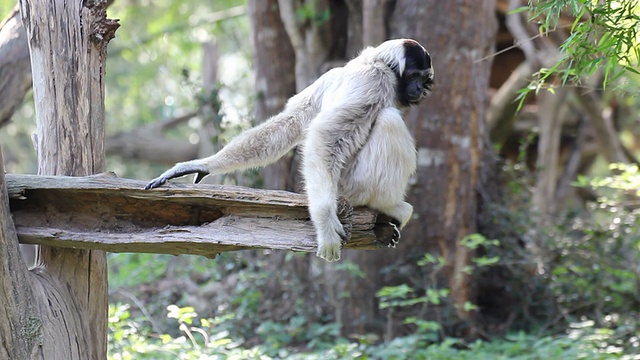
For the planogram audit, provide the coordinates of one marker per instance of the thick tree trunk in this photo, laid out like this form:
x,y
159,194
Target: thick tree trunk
x,y
449,128
20,322
274,61
68,75
358,312
373,25
15,64
450,131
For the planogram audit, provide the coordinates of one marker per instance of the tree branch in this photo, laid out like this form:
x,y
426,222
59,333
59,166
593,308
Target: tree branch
x,y
148,143
117,215
606,134
502,109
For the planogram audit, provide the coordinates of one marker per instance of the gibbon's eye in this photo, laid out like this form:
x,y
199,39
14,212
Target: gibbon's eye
x,y
427,83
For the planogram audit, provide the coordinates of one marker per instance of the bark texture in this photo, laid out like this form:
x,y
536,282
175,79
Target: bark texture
x,y
21,323
67,43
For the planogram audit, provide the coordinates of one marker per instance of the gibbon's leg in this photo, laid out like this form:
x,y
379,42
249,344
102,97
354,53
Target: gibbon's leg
x,y
255,147
334,136
380,173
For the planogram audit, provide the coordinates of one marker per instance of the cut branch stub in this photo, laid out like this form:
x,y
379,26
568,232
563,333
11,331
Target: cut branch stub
x,y
103,212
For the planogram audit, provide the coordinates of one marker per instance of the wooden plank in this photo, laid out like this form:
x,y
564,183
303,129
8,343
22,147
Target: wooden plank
x,y
108,213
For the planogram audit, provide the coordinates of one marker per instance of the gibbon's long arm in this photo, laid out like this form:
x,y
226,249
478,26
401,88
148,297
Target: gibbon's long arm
x,y
258,146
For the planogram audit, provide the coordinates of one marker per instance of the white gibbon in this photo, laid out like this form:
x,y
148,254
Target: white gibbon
x,y
354,141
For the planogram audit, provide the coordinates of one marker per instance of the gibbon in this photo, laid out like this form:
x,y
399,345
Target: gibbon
x,y
354,141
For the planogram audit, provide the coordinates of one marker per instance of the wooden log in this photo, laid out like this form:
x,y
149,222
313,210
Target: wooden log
x,y
104,212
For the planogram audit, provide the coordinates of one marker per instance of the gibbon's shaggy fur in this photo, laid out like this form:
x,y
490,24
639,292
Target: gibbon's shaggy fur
x,y
354,141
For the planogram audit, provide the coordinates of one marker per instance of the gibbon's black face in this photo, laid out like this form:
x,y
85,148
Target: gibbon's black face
x,y
417,78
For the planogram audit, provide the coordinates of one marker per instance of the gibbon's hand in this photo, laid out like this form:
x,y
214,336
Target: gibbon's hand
x,y
330,242
177,171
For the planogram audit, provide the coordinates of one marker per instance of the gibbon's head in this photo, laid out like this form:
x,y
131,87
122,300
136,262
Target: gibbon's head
x,y
412,65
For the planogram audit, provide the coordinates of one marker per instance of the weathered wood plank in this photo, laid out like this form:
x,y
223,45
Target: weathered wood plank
x,y
104,212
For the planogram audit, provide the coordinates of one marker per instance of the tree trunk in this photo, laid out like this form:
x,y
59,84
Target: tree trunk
x,y
15,64
62,307
20,322
449,128
550,118
274,62
15,67
373,24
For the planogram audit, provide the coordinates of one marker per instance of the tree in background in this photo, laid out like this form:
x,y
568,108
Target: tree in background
x,y
59,309
448,127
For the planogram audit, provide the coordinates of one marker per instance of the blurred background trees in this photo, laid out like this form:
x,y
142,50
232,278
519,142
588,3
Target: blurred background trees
x,y
522,221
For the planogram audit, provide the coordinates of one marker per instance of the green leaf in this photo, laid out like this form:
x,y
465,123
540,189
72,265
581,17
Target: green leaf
x,y
519,10
486,261
468,306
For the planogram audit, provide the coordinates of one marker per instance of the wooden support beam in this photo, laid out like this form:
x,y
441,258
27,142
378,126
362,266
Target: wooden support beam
x,y
104,212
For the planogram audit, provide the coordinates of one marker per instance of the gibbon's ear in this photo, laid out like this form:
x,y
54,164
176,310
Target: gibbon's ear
x,y
392,52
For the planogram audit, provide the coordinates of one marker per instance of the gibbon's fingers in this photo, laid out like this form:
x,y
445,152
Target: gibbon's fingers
x,y
178,170
330,247
199,176
395,238
157,182
330,234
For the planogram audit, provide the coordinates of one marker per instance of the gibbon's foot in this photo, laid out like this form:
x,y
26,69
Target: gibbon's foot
x,y
395,238
345,210
174,173
383,232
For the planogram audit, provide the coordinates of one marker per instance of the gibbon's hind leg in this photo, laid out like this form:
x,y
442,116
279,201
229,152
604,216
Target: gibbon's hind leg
x,y
334,136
